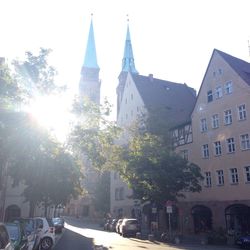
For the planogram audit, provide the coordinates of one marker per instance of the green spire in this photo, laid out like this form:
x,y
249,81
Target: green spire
x,y
128,64
90,60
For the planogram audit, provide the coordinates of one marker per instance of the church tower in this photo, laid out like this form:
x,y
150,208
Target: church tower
x,y
90,83
128,65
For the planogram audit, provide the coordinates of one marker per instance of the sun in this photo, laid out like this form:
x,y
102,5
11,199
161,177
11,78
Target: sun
x,y
52,112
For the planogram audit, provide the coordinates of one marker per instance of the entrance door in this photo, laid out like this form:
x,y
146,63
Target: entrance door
x,y
11,212
202,218
238,219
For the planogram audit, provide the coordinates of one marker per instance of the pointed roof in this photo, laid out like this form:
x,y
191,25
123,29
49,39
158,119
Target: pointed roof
x,y
241,67
174,101
90,60
128,64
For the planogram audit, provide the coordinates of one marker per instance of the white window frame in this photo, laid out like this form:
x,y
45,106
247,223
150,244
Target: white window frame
x,y
184,154
217,148
215,121
209,96
247,173
242,112
220,177
234,177
205,151
228,87
230,145
244,142
208,179
203,124
228,119
218,92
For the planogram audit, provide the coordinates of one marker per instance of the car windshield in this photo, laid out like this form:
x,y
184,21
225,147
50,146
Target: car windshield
x,y
132,222
13,231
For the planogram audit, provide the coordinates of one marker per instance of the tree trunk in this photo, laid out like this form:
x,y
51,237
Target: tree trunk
x,y
32,209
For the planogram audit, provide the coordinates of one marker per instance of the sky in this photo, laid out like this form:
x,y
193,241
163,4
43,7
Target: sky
x,y
171,39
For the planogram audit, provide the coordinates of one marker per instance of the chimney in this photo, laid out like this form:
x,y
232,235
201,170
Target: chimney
x,y
151,77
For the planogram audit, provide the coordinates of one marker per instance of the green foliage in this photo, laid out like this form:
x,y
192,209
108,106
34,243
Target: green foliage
x,y
35,76
27,152
50,174
9,91
154,172
93,134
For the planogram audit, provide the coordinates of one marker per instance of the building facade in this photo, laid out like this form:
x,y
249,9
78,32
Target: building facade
x,y
213,133
220,146
139,95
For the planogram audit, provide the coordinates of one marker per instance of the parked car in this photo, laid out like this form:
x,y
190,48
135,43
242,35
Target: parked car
x,y
5,241
129,227
46,232
58,223
17,235
29,227
118,224
113,225
243,241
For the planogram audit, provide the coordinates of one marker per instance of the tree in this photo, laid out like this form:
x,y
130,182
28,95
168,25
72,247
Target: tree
x,y
154,172
33,157
35,76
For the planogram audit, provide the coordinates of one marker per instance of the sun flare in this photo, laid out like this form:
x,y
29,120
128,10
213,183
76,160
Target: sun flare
x,y
53,113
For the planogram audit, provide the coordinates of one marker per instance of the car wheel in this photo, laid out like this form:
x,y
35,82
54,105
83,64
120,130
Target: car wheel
x,y
46,243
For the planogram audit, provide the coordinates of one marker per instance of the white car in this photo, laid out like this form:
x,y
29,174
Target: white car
x,y
46,233
5,242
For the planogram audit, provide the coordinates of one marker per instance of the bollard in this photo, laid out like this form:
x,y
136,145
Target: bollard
x,y
151,237
138,235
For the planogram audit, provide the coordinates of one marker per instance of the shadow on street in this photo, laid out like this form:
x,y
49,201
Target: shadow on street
x,y
71,240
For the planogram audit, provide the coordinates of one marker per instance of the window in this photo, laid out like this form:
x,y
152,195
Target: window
x,y
209,96
234,176
126,116
244,141
242,113
115,175
132,113
220,71
228,117
215,121
121,193
126,101
230,145
184,154
217,148
247,173
132,96
218,92
228,88
208,179
203,125
205,151
220,177
117,194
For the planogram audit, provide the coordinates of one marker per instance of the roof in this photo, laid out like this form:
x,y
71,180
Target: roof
x,y
128,64
90,59
173,100
241,67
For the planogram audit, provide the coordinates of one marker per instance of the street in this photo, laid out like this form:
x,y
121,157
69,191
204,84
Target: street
x,y
78,236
